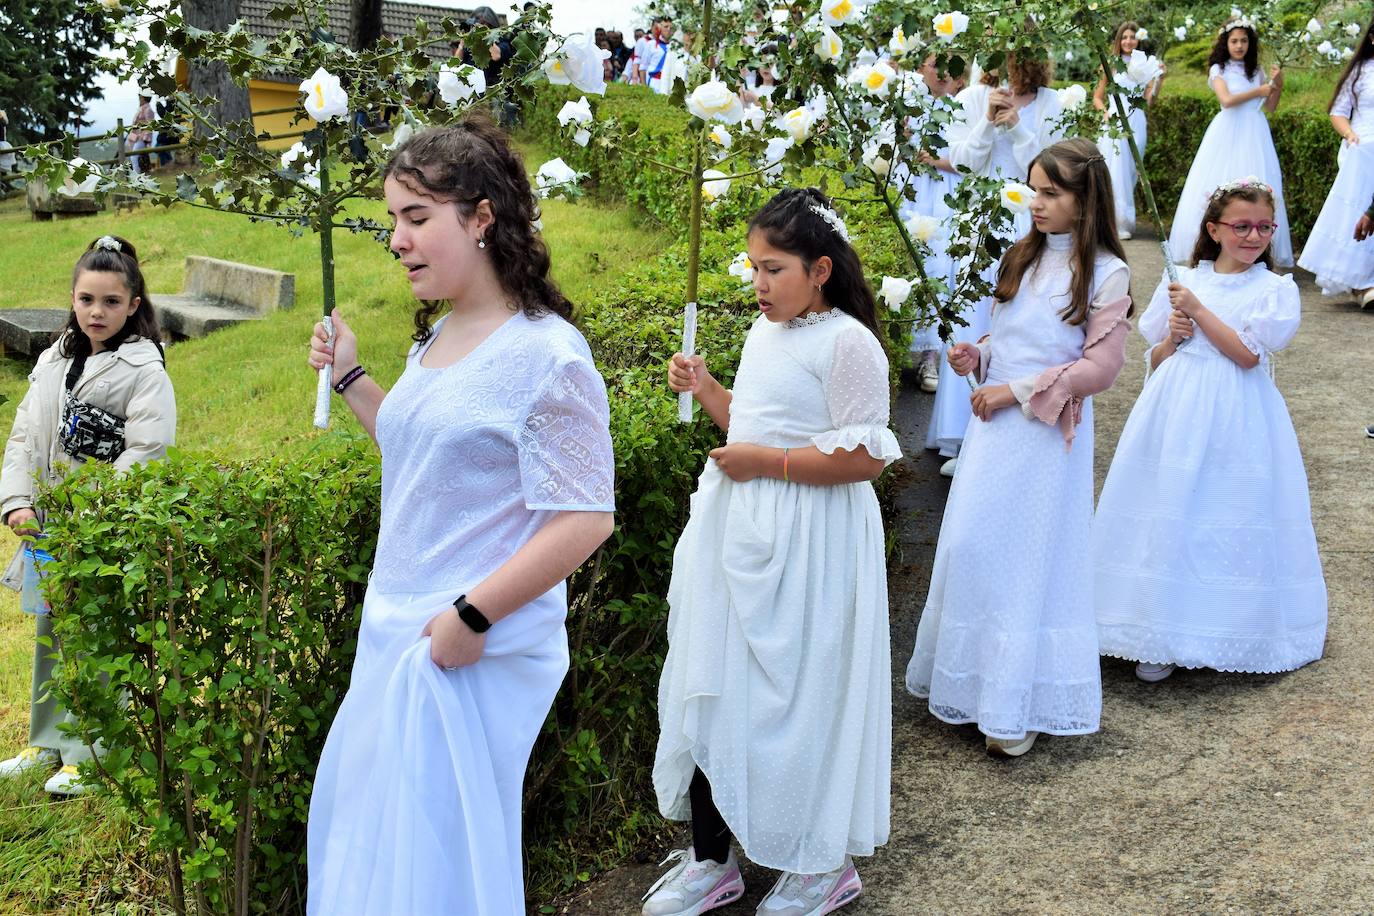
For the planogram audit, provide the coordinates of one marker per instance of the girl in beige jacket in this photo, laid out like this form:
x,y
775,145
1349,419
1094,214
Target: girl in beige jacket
x,y
100,392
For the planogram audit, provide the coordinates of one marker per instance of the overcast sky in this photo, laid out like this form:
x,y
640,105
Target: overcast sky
x,y
121,100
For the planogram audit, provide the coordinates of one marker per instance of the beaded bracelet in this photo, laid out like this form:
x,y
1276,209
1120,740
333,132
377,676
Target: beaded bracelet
x,y
349,378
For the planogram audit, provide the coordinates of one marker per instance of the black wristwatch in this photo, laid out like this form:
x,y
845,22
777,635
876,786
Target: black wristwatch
x,y
474,618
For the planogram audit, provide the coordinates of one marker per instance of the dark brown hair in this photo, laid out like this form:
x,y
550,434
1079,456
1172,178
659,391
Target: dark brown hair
x,y
790,223
1220,55
1363,53
1025,74
1078,168
1207,248
121,259
466,163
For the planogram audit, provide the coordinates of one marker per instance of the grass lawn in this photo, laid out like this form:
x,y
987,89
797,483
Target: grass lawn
x,y
245,389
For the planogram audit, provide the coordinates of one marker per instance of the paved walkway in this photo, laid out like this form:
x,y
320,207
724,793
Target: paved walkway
x,y
1208,793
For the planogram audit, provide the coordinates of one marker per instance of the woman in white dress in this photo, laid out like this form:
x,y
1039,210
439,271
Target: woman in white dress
x,y
1237,142
1203,548
1007,639
1003,127
497,482
1117,150
1341,263
775,704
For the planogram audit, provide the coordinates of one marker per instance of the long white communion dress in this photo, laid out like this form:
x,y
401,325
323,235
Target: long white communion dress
x,y
1340,263
996,152
929,189
1237,144
777,681
416,804
1117,152
1203,548
1007,638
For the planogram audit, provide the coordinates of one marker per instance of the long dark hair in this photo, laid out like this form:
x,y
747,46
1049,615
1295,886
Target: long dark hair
x,y
1220,55
790,223
469,162
119,258
1078,167
1207,248
1363,53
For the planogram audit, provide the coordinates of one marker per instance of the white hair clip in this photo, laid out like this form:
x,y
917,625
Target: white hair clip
x,y
109,243
833,218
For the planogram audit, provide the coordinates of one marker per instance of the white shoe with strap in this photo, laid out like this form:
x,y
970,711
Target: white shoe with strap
x,y
812,895
692,887
30,758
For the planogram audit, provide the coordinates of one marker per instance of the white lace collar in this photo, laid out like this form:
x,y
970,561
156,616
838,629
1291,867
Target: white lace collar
x,y
810,318
1059,241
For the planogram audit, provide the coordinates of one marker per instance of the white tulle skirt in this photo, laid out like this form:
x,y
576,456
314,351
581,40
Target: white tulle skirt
x,y
1340,263
1237,144
1203,549
416,804
1007,639
778,682
1121,165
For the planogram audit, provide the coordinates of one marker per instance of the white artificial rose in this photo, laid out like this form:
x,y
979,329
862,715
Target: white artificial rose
x,y
1181,33
773,154
1353,29
1235,12
874,159
899,44
458,84
923,228
577,61
798,123
1017,197
1347,53
324,96
742,267
1325,47
582,137
1189,22
838,12
402,133
297,158
1070,97
948,25
1068,55
553,176
876,79
70,187
754,117
1141,70
714,185
720,136
894,292
579,112
714,101
780,17
829,46
1313,26
1142,35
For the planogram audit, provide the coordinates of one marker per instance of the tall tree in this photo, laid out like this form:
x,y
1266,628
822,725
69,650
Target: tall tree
x,y
49,56
210,79
364,24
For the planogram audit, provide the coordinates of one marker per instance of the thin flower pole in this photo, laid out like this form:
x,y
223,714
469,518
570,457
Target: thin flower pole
x,y
325,384
689,311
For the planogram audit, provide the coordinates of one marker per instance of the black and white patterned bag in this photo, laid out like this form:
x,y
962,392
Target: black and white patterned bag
x,y
89,432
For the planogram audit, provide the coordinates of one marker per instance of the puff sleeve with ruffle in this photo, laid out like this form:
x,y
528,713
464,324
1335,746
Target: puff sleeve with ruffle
x,y
858,397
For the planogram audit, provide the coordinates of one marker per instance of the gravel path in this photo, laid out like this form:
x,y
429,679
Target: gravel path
x,y
1208,793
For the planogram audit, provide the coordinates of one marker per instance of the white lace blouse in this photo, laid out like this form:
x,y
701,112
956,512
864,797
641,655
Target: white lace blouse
x,y
477,455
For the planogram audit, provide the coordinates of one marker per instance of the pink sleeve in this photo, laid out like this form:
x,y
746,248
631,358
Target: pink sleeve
x,y
1060,390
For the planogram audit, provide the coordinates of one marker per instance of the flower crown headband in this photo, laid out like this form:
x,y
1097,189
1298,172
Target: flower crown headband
x,y
833,218
1249,182
1242,23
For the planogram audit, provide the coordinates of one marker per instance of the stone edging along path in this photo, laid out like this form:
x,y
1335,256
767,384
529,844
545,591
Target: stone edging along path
x,y
1206,793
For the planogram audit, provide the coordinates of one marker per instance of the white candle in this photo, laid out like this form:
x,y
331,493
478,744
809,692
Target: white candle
x,y
689,348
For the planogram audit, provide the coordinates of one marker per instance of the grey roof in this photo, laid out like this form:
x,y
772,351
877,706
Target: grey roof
x,y
398,19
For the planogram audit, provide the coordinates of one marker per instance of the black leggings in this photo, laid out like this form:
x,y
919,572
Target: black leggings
x,y
710,834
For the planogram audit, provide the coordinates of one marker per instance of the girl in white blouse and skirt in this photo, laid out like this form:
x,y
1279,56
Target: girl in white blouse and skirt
x,y
775,710
497,482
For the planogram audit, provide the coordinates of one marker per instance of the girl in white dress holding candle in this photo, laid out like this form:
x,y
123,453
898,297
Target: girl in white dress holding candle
x,y
1341,263
778,630
1237,142
1144,75
1203,548
1007,639
497,480
1003,127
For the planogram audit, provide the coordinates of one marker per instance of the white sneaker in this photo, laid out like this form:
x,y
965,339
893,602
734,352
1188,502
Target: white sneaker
x,y
30,758
67,781
950,467
812,895
1151,673
691,887
1001,747
928,374
1123,234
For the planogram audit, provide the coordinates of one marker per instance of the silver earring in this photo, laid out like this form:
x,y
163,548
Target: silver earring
x,y
481,243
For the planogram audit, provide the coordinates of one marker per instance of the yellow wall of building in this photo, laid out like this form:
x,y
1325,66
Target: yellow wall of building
x,y
267,96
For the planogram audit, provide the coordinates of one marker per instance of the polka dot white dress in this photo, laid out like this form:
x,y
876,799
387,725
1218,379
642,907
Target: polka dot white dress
x,y
777,681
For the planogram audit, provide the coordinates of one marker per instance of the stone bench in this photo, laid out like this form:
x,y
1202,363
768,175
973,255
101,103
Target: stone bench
x,y
219,294
45,205
27,332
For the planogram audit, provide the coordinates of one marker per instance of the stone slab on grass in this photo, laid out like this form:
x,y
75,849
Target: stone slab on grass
x,y
28,332
221,293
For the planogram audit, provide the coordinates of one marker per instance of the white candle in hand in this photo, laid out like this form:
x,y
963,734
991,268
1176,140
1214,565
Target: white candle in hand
x,y
689,348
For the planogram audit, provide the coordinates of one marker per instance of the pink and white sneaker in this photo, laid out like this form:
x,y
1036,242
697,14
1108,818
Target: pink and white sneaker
x,y
691,887
812,895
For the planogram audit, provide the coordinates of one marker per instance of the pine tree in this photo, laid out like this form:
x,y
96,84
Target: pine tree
x,y
49,53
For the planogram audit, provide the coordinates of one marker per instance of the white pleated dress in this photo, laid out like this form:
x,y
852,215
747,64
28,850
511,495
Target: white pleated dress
x,y
1203,548
1340,263
416,803
994,151
1007,638
1237,144
777,681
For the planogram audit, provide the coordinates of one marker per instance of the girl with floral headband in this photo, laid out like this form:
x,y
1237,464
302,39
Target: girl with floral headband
x,y
100,392
1203,548
775,702
1237,142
